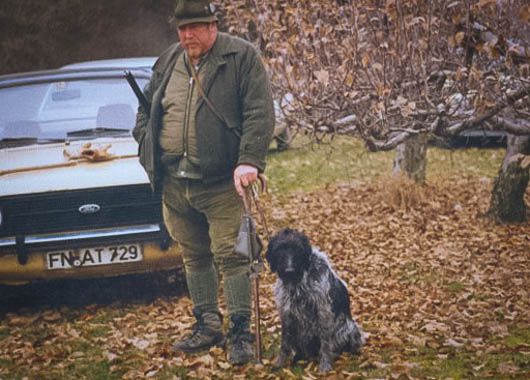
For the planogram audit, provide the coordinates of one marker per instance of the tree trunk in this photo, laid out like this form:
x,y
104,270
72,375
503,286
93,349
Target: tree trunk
x,y
507,197
411,159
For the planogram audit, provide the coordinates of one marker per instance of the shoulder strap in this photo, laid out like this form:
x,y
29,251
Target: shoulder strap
x,y
209,102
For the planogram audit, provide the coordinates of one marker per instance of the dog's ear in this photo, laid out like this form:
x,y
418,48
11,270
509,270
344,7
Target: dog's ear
x,y
306,248
271,255
306,244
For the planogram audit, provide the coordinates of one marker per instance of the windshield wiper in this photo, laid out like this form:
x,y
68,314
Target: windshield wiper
x,y
21,141
97,131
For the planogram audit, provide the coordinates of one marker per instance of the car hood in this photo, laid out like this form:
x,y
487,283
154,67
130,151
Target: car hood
x,y
39,168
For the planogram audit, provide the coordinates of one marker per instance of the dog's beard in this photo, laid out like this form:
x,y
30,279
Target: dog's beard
x,y
291,278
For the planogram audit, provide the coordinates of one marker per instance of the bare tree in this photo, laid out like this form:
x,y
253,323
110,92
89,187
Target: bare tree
x,y
397,73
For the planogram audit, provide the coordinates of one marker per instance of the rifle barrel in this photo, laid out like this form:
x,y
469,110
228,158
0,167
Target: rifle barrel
x,y
137,91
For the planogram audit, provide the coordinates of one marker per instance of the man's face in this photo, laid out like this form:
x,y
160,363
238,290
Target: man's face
x,y
197,38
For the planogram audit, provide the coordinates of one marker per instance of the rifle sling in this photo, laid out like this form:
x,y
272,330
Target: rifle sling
x,y
209,102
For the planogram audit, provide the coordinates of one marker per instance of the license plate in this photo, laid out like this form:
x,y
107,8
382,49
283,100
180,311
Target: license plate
x,y
87,257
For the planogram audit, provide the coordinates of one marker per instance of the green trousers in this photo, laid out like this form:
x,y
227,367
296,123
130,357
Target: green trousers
x,y
205,221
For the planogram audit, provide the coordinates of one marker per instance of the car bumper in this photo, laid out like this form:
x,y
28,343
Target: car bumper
x,y
12,272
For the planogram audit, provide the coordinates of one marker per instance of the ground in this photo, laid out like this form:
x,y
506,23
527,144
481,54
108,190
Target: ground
x,y
441,291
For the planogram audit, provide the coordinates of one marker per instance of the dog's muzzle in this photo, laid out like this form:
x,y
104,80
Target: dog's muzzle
x,y
289,272
289,266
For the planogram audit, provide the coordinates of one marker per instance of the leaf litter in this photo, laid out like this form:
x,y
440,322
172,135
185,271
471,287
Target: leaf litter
x,y
424,276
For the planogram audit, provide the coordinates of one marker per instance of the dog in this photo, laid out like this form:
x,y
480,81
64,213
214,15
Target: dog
x,y
312,302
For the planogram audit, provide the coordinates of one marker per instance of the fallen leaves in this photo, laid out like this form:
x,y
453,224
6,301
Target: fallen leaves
x,y
420,280
20,321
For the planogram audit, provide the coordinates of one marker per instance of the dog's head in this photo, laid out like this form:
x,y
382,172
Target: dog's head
x,y
288,255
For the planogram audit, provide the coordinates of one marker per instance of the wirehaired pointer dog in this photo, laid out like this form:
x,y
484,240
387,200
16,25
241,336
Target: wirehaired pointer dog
x,y
312,301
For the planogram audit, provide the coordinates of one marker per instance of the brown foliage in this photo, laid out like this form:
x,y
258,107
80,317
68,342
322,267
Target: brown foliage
x,y
44,34
398,66
428,278
403,193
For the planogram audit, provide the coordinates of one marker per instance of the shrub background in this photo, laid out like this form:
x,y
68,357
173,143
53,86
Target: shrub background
x,y
45,34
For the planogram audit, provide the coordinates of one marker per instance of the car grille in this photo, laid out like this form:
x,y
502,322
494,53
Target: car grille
x,y
60,211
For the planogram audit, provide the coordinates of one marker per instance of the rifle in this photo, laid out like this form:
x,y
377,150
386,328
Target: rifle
x,y
142,100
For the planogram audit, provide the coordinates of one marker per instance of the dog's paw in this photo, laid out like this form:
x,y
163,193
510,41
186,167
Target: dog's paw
x,y
279,362
324,366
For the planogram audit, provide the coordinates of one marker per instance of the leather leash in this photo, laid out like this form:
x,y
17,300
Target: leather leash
x,y
208,101
251,194
255,190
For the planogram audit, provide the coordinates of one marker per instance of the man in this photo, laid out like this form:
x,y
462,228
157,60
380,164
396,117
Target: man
x,y
203,141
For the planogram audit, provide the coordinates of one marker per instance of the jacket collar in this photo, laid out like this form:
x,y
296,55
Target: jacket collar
x,y
223,47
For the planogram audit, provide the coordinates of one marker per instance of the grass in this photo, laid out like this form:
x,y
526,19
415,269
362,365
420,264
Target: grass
x,y
434,365
36,334
4,333
170,373
94,368
518,337
98,330
99,370
309,166
461,365
455,287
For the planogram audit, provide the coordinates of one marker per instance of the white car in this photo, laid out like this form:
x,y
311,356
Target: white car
x,y
74,200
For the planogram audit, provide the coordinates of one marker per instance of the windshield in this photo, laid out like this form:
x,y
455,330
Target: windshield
x,y
55,110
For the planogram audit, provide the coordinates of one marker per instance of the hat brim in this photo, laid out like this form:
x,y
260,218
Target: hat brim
x,y
186,21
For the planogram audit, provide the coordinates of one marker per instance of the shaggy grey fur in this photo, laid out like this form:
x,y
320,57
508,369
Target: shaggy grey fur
x,y
312,301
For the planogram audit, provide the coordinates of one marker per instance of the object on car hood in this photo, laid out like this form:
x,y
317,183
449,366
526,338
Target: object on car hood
x,y
87,153
92,154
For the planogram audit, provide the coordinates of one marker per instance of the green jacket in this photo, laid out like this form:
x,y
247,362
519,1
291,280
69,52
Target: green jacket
x,y
238,86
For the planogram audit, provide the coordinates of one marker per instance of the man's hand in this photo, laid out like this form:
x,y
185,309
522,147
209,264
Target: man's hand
x,y
244,175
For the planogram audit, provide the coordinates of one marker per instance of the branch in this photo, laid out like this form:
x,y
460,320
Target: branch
x,y
346,121
480,119
396,139
515,127
389,144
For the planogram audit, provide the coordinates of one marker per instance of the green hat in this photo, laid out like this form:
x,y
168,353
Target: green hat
x,y
190,11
